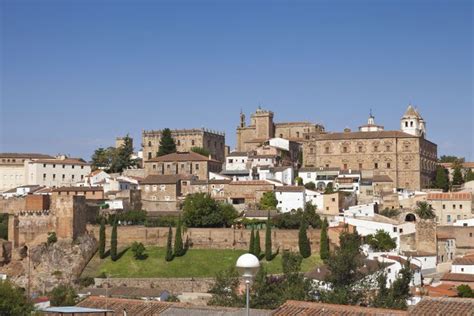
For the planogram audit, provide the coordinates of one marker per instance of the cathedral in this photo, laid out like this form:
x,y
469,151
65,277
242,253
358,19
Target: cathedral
x,y
405,155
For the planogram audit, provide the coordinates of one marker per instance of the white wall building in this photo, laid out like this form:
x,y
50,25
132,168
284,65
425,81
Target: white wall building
x,y
463,265
366,210
319,176
290,198
285,175
13,170
315,198
464,222
56,172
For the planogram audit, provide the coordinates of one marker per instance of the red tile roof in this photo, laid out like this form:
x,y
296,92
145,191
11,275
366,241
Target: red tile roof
x,y
453,196
458,277
290,189
77,189
67,161
442,290
309,308
25,155
133,307
468,261
445,306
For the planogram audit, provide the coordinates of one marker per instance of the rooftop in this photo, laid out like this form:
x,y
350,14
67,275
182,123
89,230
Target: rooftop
x,y
238,154
458,277
310,308
452,306
118,305
381,178
363,135
316,169
164,179
451,196
182,156
25,155
67,161
290,189
77,189
468,261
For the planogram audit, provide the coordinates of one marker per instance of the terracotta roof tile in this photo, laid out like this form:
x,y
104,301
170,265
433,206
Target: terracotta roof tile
x,y
309,308
77,189
464,261
133,307
452,196
458,277
67,161
446,306
364,135
25,155
290,189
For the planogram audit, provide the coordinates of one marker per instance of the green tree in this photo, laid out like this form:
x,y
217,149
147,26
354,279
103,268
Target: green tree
x,y
299,181
252,242
102,239
268,201
310,185
178,241
442,179
447,158
381,241
381,298
329,188
268,239
169,246
465,290
400,289
457,174
387,212
201,151
101,159
167,144
200,210
425,211
138,250
469,175
13,300
113,243
257,249
303,241
52,238
310,215
324,241
122,156
224,291
266,292
63,295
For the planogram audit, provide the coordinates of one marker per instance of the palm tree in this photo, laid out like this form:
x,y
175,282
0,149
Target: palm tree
x,y
425,211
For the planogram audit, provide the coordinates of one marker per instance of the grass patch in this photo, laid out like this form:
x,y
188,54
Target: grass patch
x,y
196,263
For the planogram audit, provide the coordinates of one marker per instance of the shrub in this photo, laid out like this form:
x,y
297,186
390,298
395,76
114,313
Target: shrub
x,y
52,238
200,210
63,295
310,185
138,250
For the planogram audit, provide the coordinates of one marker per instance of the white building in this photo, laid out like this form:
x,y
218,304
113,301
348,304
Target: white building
x,y
463,265
95,177
21,191
366,210
56,172
315,198
394,263
13,170
237,166
290,198
319,176
464,222
348,180
285,175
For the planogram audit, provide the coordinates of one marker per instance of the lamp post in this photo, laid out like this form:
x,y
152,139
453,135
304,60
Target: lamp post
x,y
248,265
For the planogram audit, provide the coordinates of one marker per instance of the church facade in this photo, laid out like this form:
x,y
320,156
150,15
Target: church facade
x,y
406,156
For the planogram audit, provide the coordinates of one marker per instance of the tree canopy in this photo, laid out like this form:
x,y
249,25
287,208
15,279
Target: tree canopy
x,y
448,158
13,301
63,295
442,178
167,144
114,159
200,210
268,201
381,241
425,211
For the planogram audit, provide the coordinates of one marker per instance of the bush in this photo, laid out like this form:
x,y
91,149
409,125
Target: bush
x,y
201,151
162,221
85,281
200,210
310,185
63,295
293,219
138,250
52,238
303,241
268,201
13,300
169,247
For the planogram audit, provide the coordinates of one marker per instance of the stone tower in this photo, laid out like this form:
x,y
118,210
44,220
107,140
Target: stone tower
x,y
263,121
412,123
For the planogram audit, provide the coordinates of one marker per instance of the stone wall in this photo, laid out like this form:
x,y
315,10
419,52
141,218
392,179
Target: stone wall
x,y
217,238
174,285
426,236
11,205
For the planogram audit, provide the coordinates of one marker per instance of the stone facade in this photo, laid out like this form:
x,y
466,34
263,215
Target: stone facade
x,y
450,207
185,140
409,160
66,216
161,192
183,163
90,193
262,128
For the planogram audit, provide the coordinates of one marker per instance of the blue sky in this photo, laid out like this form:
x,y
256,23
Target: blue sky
x,y
76,74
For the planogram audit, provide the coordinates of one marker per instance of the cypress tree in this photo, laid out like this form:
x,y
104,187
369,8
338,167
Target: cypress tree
x,y
102,240
167,144
442,180
113,242
457,174
324,243
257,248
252,243
178,241
169,246
268,240
303,241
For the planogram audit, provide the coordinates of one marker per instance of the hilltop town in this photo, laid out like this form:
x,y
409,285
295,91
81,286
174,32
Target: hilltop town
x,y
150,225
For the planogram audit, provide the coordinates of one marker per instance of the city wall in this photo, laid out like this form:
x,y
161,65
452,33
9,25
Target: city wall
x,y
216,238
173,285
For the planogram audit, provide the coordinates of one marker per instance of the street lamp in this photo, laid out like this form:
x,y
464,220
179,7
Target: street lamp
x,y
248,265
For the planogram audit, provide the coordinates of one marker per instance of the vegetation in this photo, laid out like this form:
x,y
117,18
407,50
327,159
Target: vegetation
x,y
167,144
425,211
4,226
169,249
225,289
268,240
391,213
256,248
268,201
310,185
252,243
52,238
63,295
138,250
447,158
469,175
85,281
200,210
201,151
303,241
396,296
329,188
178,241
114,159
381,241
458,178
102,239
465,290
293,219
113,243
13,301
442,178
299,181
196,263
324,241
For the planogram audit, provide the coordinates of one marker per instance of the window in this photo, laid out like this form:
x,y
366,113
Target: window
x,y
54,176
376,148
154,166
281,135
462,269
297,134
360,166
82,167
168,166
44,176
400,230
308,175
376,165
333,199
406,124
344,149
72,166
82,176
448,219
411,123
360,149
311,150
231,160
327,165
388,165
406,165
178,142
44,165
470,234
394,229
460,206
182,166
64,176
64,166
72,177
326,150
149,155
149,143
454,206
54,166
444,206
345,166
192,142
162,187
197,166
387,147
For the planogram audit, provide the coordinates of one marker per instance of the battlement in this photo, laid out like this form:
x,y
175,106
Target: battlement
x,y
182,132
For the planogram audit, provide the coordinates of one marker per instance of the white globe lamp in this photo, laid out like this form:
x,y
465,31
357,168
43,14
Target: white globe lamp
x,y
248,265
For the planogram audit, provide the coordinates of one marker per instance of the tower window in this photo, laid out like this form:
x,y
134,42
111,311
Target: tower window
x,y
388,165
360,149
406,124
326,150
376,165
344,149
297,134
149,144
411,123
